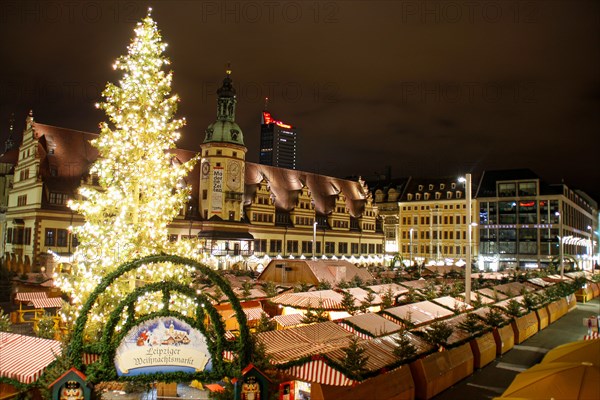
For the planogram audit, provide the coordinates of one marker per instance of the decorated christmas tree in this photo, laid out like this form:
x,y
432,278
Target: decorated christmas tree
x,y
136,186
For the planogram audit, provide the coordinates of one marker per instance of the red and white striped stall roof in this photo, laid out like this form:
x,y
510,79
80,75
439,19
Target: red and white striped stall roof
x,y
318,371
290,344
49,302
29,296
373,324
89,358
328,299
289,319
253,314
229,355
230,336
357,333
24,358
593,336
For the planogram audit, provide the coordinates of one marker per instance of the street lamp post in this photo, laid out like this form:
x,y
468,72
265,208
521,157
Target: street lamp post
x,y
431,236
411,246
467,181
560,245
591,257
314,243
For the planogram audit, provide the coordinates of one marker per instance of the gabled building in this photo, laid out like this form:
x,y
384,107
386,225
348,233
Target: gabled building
x,y
518,220
425,219
243,214
50,165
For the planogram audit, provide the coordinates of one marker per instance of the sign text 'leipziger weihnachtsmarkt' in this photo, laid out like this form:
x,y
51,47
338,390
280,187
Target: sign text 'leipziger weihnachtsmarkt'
x,y
163,344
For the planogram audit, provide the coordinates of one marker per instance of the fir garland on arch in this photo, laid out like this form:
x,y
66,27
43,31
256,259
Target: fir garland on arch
x,y
77,345
109,342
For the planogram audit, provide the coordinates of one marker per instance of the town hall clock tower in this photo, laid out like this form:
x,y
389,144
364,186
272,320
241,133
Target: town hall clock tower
x,y
223,160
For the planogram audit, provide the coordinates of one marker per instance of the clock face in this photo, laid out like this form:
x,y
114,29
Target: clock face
x,y
234,175
205,168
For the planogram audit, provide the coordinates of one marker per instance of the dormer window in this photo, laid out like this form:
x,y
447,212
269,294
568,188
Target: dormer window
x,y
409,197
426,197
453,186
448,195
420,188
438,195
442,186
458,194
418,196
431,187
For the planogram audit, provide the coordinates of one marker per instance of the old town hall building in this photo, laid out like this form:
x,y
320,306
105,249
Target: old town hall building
x,y
243,214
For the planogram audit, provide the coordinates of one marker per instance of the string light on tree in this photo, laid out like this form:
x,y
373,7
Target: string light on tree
x,y
136,187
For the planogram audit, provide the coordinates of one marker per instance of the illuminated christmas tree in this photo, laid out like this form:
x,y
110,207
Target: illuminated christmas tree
x,y
136,186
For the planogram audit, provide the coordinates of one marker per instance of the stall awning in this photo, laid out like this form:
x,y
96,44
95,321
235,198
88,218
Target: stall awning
x,y
24,358
318,371
253,314
225,235
30,296
51,302
289,319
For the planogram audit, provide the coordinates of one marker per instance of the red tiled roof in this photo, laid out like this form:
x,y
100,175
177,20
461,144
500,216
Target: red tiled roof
x,y
285,184
67,154
10,157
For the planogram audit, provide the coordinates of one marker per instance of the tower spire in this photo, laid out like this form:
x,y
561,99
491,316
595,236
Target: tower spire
x,y
224,129
227,99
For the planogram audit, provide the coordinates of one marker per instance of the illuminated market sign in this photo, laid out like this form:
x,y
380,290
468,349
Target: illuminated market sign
x,y
160,345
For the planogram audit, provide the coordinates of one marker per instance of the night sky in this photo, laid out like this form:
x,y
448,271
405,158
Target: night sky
x,y
430,88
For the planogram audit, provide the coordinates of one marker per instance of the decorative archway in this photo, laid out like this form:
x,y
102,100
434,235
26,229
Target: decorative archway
x,y
206,320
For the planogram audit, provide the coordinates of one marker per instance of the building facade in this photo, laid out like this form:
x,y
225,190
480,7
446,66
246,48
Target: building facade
x,y
240,214
278,142
50,164
518,220
425,220
523,221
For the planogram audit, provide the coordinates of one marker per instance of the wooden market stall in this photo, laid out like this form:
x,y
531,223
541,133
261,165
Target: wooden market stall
x,y
24,358
438,371
417,314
